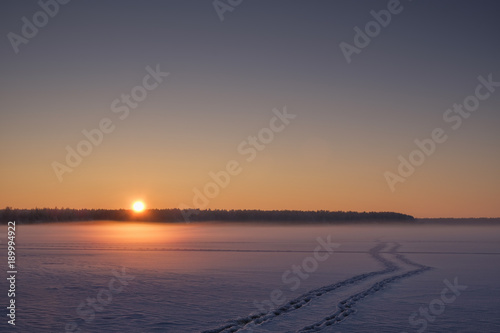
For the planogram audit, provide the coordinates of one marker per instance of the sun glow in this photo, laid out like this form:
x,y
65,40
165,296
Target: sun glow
x,y
138,206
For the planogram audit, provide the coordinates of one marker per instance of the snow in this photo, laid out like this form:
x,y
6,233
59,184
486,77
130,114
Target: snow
x,y
209,277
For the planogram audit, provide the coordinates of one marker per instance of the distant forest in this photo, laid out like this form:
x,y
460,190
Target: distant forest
x,y
39,215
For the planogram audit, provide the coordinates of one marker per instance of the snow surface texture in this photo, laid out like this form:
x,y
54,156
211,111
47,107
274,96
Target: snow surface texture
x,y
207,278
345,307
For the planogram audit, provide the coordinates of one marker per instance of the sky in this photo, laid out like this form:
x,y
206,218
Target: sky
x,y
252,105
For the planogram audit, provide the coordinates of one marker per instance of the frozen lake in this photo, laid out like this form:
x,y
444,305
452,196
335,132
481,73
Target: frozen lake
x,y
153,277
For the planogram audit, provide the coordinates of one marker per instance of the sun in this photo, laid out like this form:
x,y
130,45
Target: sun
x,y
138,206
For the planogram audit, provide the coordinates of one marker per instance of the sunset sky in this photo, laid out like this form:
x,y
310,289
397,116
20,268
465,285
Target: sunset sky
x,y
352,120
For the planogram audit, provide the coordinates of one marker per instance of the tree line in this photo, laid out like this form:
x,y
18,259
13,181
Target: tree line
x,y
38,215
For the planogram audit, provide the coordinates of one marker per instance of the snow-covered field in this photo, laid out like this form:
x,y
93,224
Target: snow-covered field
x,y
152,277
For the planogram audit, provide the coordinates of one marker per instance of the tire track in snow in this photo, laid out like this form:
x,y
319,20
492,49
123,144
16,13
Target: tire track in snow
x,y
304,299
346,306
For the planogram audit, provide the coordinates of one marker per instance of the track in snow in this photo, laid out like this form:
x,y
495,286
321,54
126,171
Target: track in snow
x,y
345,307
